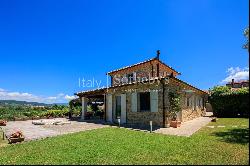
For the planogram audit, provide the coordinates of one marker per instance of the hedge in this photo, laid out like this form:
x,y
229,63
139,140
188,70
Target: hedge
x,y
230,103
22,112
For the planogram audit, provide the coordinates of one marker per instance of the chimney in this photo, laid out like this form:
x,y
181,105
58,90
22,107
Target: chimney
x,y
232,83
158,54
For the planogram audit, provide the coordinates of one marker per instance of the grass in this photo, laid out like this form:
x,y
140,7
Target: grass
x,y
217,145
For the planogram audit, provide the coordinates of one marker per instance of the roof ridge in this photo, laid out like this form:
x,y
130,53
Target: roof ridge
x,y
139,63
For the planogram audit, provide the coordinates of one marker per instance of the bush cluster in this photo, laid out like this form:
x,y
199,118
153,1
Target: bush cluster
x,y
11,112
228,102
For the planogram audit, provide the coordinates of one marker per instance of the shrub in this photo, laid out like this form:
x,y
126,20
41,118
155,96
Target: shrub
x,y
77,111
10,112
94,107
89,108
174,100
229,103
28,114
55,113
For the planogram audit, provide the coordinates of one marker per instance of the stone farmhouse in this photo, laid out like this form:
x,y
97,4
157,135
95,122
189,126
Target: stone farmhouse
x,y
140,93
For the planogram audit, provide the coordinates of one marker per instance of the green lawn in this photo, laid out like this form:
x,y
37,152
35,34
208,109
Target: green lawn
x,y
227,145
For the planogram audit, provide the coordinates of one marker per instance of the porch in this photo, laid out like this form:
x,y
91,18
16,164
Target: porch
x,y
93,105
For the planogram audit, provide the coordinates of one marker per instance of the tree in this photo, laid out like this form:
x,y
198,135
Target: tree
x,y
246,34
75,107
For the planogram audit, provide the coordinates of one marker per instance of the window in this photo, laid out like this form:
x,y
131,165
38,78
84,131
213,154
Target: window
x,y
124,79
201,101
189,101
197,101
195,104
144,102
130,77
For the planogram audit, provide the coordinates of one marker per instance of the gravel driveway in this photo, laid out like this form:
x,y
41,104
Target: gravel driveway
x,y
33,132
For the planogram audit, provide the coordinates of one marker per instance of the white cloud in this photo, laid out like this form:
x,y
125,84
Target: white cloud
x,y
237,74
59,98
60,95
67,97
51,98
18,96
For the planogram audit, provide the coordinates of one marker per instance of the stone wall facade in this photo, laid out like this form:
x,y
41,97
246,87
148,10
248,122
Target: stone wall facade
x,y
193,105
190,114
143,71
140,118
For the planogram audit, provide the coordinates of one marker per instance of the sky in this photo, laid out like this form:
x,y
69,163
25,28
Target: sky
x,y
46,46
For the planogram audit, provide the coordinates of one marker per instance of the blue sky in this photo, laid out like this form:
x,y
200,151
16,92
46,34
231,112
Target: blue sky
x,y
46,46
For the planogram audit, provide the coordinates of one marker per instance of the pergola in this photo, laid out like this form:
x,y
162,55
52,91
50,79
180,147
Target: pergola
x,y
97,95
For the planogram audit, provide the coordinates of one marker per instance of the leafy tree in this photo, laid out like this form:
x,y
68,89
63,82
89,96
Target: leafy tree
x,y
218,90
246,34
75,107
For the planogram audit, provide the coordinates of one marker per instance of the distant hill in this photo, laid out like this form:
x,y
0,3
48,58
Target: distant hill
x,y
65,104
15,102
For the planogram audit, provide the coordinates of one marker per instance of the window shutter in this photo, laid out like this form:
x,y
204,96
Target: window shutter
x,y
134,77
134,102
123,108
200,101
193,99
186,101
109,104
197,102
154,101
190,102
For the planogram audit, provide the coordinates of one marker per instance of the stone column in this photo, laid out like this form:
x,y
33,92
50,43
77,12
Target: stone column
x,y
84,107
105,107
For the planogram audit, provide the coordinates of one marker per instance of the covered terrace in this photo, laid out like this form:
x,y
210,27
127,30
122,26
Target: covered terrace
x,y
92,97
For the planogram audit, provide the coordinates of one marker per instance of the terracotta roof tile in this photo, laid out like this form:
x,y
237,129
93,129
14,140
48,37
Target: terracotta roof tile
x,y
126,67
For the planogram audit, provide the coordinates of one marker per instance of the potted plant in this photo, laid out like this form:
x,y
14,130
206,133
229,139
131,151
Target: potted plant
x,y
175,108
174,122
16,137
3,122
214,119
